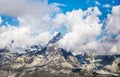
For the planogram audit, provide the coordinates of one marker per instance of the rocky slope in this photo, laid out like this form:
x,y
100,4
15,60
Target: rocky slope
x,y
53,61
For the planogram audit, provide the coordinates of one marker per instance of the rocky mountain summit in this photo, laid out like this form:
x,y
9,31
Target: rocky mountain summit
x,y
53,61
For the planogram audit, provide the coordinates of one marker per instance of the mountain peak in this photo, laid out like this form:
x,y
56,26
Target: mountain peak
x,y
56,38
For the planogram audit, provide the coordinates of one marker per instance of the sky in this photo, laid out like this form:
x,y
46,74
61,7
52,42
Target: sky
x,y
87,25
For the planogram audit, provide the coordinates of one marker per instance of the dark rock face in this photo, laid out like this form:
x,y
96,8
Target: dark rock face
x,y
56,38
103,75
4,50
65,54
119,65
106,59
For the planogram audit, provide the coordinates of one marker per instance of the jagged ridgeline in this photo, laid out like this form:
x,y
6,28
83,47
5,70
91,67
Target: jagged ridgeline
x,y
53,61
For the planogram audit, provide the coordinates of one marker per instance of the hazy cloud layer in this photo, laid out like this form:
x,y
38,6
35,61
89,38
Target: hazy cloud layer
x,y
22,7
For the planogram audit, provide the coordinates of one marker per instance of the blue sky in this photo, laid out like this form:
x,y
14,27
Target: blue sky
x,y
84,4
9,20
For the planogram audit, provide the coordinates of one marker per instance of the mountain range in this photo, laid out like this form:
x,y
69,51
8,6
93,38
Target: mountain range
x,y
53,61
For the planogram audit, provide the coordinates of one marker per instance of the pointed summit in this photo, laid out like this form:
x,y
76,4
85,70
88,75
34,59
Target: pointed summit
x,y
56,38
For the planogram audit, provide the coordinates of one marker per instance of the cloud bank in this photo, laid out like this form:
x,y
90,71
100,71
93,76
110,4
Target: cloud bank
x,y
81,28
35,23
38,20
113,29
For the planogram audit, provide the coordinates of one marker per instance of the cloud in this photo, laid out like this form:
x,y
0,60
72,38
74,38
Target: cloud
x,y
97,3
35,14
35,18
38,20
0,20
82,31
106,5
113,21
81,28
23,38
22,7
113,28
111,40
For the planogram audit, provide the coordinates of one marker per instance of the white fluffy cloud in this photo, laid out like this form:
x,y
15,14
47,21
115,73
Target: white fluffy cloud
x,y
113,21
22,37
113,28
35,14
110,45
84,26
35,23
81,27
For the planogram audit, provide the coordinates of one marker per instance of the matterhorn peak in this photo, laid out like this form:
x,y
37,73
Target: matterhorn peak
x,y
56,38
